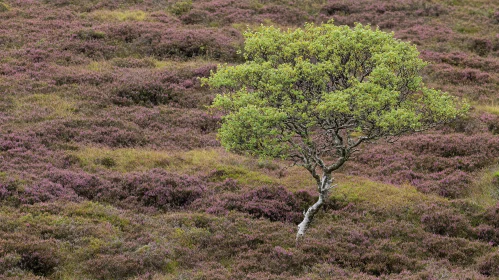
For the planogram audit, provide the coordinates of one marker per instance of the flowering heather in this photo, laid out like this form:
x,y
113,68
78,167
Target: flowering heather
x,y
438,163
110,166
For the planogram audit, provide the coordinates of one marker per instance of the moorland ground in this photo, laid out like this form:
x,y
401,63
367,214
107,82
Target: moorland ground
x,y
110,167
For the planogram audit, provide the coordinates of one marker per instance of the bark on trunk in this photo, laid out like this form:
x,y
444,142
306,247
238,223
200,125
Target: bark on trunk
x,y
324,188
309,216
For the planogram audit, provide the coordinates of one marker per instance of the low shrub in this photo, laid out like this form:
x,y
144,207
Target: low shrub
x,y
11,141
495,16
492,122
146,88
495,179
90,34
160,189
10,192
444,221
461,59
332,8
111,266
380,262
180,7
284,15
489,265
77,76
4,7
491,216
441,164
9,262
455,250
220,45
39,257
487,233
83,187
196,16
133,63
152,39
461,76
46,190
112,133
83,184
273,203
95,49
481,46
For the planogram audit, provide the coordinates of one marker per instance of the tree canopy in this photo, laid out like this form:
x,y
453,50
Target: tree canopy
x,y
315,94
324,89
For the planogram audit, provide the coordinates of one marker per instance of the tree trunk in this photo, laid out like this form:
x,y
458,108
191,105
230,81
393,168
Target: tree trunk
x,y
324,188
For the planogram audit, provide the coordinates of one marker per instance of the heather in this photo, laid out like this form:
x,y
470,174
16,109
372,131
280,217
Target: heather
x,y
110,167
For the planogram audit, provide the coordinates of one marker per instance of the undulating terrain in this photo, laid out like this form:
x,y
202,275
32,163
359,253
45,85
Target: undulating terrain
x,y
110,167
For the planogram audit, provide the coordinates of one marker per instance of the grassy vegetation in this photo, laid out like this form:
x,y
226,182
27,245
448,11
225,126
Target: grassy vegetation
x,y
103,15
492,109
122,160
4,7
485,190
48,106
380,196
99,66
216,163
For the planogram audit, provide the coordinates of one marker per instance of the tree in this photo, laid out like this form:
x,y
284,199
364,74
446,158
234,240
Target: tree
x,y
314,95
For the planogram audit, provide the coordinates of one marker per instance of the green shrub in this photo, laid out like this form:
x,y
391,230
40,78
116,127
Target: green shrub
x,y
107,162
89,34
495,179
489,265
4,7
181,7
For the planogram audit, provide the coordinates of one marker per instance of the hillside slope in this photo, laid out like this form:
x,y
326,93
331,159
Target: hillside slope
x,y
110,167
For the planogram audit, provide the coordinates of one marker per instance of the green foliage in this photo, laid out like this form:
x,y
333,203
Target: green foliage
x,y
263,134
181,7
4,7
304,83
90,34
131,15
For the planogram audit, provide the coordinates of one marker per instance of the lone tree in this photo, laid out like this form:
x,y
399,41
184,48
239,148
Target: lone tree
x,y
314,95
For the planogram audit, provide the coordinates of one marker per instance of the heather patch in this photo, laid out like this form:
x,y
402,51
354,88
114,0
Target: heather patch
x,y
489,265
272,203
112,240
107,132
439,164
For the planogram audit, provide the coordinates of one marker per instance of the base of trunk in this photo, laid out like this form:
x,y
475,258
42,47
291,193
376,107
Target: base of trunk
x,y
308,217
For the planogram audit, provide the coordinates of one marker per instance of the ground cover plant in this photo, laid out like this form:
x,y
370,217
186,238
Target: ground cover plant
x,y
110,167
